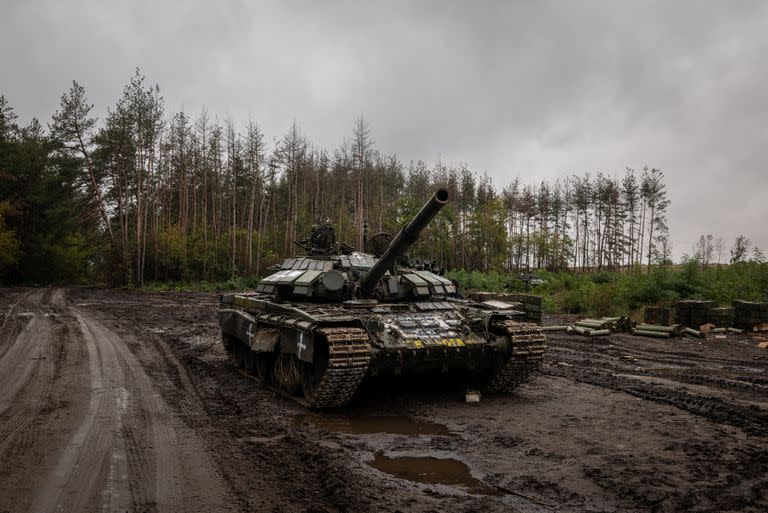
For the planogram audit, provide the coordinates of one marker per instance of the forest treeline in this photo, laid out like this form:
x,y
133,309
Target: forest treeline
x,y
149,195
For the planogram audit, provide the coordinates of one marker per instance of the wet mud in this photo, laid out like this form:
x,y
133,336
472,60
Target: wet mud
x,y
126,401
361,423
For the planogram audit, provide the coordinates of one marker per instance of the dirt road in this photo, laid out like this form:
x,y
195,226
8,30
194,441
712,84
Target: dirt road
x,y
83,426
123,401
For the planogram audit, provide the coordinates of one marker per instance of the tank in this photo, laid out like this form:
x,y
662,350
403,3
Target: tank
x,y
329,319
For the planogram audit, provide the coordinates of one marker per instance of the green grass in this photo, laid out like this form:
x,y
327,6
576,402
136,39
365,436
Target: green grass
x,y
241,283
606,293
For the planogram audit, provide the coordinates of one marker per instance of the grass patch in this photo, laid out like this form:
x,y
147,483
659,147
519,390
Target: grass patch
x,y
621,293
202,286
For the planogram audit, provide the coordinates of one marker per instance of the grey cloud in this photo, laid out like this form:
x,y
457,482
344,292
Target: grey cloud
x,y
540,90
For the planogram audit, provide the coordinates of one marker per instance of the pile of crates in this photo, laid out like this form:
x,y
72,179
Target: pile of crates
x,y
750,315
721,317
693,312
529,303
658,315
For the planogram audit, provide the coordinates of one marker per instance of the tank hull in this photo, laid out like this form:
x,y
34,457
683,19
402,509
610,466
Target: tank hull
x,y
323,352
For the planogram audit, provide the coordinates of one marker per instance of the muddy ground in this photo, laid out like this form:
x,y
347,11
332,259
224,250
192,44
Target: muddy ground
x,y
125,401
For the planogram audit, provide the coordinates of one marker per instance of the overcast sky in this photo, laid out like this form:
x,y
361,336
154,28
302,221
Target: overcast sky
x,y
535,89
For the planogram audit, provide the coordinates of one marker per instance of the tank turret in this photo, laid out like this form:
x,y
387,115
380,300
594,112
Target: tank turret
x,y
332,271
402,241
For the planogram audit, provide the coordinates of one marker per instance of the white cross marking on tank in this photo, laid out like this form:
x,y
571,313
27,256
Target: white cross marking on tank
x,y
300,345
250,333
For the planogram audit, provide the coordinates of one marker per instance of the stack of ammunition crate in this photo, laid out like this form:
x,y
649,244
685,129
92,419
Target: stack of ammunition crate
x,y
693,312
531,304
658,315
721,317
750,314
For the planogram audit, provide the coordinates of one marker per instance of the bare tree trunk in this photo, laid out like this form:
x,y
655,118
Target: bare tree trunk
x,y
650,236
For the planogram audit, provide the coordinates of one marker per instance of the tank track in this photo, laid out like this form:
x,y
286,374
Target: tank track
x,y
529,344
349,355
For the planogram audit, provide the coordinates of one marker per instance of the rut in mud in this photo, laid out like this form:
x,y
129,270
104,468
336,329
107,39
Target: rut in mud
x,y
82,425
125,401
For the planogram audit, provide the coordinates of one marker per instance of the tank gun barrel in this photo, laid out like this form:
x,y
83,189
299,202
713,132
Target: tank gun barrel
x,y
403,240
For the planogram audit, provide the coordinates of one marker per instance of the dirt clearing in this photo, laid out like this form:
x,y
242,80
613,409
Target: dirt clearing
x,y
125,401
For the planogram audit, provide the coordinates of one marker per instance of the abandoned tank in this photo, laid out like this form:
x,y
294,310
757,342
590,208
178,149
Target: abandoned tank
x,y
328,319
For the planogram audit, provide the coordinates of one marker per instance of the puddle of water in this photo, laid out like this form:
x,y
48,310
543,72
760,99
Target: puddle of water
x,y
368,424
429,470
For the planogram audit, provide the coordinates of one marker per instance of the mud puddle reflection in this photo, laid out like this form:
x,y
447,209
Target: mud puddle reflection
x,y
430,470
369,424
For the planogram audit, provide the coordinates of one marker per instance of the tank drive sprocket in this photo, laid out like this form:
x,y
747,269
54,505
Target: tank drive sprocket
x,y
332,382
528,346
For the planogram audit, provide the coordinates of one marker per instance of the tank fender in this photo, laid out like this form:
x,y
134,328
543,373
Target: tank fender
x,y
235,323
238,324
300,343
500,340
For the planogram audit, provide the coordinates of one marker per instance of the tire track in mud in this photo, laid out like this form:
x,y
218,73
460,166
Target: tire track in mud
x,y
600,365
10,325
129,450
9,314
741,379
26,378
81,465
28,370
753,386
586,351
23,357
180,459
684,351
188,405
721,370
752,420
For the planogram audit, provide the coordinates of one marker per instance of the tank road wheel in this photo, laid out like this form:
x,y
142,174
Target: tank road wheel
x,y
312,373
226,341
341,358
528,346
238,352
264,367
486,381
249,360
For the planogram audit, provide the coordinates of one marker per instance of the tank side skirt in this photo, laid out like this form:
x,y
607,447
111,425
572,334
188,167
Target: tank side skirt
x,y
263,333
235,323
